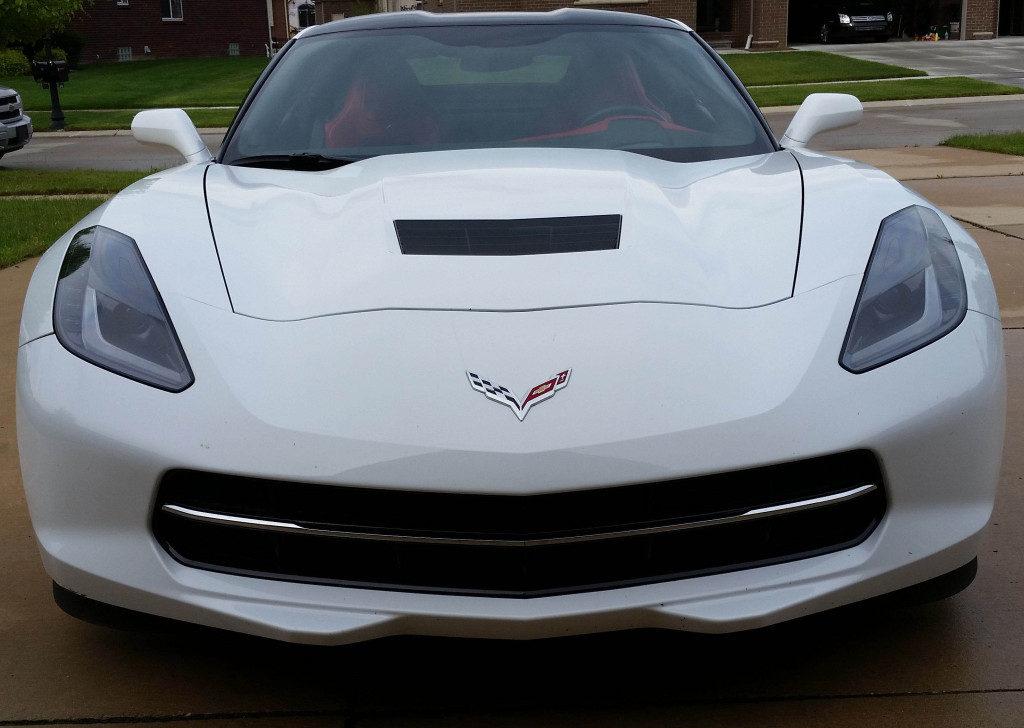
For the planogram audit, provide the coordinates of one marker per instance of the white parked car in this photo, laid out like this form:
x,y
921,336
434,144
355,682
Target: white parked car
x,y
511,325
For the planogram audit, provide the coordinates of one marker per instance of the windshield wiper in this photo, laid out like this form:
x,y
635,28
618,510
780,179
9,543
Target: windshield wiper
x,y
298,160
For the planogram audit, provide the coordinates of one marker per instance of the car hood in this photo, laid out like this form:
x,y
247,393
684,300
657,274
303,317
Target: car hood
x,y
296,245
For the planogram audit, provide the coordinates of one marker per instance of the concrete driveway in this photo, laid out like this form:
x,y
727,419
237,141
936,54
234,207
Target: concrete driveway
x,y
1000,60
953,664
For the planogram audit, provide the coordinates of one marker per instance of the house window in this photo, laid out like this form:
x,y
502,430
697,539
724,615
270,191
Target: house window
x,y
122,2
124,53
171,9
232,49
307,15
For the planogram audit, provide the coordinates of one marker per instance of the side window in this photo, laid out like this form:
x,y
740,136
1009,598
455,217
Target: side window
x,y
171,9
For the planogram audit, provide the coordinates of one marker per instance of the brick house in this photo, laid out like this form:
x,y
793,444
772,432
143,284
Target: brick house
x,y
772,24
123,30
134,29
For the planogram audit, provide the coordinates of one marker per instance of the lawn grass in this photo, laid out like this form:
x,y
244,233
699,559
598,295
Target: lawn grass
x,y
122,119
64,181
148,84
1008,143
928,88
31,226
786,67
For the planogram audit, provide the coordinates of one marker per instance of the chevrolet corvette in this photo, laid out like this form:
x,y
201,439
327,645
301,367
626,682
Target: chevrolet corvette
x,y
512,326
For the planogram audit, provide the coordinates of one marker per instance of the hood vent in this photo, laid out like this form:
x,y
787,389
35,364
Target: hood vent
x,y
531,236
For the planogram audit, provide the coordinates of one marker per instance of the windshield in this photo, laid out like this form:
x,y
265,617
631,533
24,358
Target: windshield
x,y
356,94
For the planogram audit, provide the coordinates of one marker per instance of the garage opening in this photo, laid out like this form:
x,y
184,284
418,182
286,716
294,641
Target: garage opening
x,y
1011,17
928,19
839,21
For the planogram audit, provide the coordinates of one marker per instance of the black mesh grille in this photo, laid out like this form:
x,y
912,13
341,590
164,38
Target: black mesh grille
x,y
12,113
507,570
534,236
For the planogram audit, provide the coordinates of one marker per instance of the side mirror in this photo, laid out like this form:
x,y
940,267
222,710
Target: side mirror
x,y
171,128
818,113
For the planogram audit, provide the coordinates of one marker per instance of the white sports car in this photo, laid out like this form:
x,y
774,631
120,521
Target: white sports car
x,y
511,325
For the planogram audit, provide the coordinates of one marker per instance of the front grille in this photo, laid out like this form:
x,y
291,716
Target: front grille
x,y
528,236
868,18
9,108
519,546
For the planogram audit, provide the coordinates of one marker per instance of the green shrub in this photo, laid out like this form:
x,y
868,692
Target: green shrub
x,y
14,63
37,51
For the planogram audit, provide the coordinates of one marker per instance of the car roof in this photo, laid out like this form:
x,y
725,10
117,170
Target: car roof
x,y
423,19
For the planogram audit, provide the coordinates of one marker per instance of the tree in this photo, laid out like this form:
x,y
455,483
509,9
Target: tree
x,y
27,21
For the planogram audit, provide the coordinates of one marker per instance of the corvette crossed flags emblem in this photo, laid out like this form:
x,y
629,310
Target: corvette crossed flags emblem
x,y
505,396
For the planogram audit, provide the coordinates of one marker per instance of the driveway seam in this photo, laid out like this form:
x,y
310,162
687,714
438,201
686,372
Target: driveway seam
x,y
964,221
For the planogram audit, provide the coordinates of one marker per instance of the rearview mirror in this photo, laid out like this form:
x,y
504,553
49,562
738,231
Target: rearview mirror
x,y
171,128
821,112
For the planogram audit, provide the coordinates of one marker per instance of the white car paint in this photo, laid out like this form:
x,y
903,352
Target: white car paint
x,y
723,233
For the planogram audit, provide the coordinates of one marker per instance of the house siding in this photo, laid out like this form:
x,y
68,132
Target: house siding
x,y
205,29
982,19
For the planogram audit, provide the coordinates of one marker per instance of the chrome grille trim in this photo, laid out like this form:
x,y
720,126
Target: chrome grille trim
x,y
223,519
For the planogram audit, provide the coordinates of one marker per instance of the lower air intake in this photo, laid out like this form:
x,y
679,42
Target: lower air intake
x,y
519,546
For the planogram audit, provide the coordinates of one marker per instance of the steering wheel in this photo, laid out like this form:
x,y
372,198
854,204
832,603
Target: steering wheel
x,y
622,110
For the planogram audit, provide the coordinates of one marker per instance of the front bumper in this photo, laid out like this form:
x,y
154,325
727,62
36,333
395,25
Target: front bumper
x,y
861,29
15,134
331,401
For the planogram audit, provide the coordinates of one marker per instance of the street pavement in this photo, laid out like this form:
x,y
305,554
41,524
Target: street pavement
x,y
115,150
951,664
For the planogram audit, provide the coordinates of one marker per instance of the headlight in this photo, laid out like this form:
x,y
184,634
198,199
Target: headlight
x,y
844,19
913,291
108,312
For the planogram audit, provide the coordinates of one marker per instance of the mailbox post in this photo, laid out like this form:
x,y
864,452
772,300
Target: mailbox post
x,y
52,75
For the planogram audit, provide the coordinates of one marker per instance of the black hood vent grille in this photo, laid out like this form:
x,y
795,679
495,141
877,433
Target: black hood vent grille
x,y
531,236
